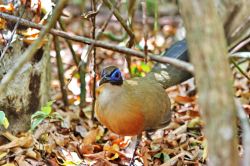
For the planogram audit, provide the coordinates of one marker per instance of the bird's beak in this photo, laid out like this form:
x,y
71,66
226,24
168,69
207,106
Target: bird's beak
x,y
104,80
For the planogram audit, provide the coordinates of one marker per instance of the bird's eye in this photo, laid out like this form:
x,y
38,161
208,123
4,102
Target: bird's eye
x,y
117,75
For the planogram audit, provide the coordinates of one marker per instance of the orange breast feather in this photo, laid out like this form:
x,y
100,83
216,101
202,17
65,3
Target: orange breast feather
x,y
125,122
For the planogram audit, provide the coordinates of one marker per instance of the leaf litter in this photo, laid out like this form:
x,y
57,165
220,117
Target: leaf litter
x,y
77,141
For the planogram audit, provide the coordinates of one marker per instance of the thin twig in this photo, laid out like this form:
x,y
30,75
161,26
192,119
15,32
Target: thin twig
x,y
10,39
12,34
241,27
240,45
244,120
114,37
145,29
243,55
126,27
99,33
90,47
156,15
175,62
60,71
81,69
28,54
119,18
240,70
93,19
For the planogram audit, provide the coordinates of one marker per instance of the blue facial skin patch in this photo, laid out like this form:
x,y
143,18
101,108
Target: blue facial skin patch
x,y
116,75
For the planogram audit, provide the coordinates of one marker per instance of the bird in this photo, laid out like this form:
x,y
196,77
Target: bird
x,y
129,107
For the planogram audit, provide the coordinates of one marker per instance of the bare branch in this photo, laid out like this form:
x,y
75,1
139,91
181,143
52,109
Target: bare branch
x,y
175,62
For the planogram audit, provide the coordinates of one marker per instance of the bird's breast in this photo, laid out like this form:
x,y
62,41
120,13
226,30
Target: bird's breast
x,y
117,112
137,105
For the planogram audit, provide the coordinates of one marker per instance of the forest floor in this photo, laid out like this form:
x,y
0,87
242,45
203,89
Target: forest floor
x,y
78,140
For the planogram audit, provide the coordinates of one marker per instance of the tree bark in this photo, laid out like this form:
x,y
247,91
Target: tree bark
x,y
29,90
208,53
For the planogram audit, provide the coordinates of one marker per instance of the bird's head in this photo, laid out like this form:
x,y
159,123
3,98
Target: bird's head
x,y
111,74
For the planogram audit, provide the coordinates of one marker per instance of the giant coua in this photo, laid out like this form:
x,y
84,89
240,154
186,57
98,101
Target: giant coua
x,y
128,107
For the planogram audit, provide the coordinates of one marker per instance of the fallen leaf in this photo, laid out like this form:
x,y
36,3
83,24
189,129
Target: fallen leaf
x,y
93,136
24,142
86,149
113,150
184,99
7,8
2,155
196,122
2,24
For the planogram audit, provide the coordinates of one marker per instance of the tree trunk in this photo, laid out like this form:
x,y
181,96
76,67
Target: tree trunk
x,y
29,90
208,53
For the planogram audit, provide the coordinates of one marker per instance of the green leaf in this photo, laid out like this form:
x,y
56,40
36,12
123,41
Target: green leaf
x,y
157,155
5,123
56,115
163,156
47,109
3,120
38,115
36,122
2,116
145,67
134,70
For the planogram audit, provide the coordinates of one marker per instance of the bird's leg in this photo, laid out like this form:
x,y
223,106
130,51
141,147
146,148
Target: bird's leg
x,y
138,140
148,135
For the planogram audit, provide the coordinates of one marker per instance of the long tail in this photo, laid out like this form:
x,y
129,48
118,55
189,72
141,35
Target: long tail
x,y
170,74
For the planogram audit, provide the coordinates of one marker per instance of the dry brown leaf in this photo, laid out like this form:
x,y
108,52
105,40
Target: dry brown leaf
x,y
9,164
145,155
24,142
184,99
196,122
66,157
181,129
7,8
60,139
52,162
2,24
20,159
2,155
173,160
100,158
81,130
93,136
30,35
122,142
86,149
32,154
